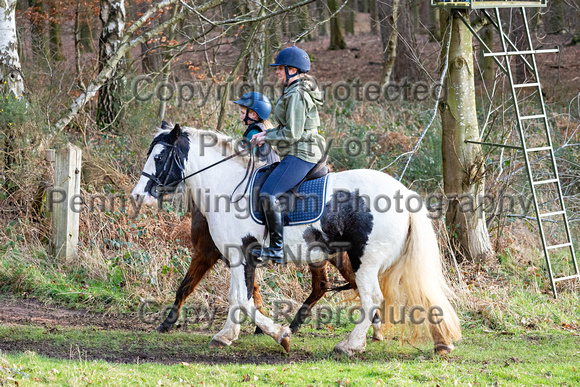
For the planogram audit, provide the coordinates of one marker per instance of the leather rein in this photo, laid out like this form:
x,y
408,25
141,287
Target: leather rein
x,y
164,188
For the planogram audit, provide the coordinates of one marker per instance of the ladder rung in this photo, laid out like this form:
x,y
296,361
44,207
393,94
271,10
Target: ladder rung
x,y
520,85
567,278
545,181
542,148
499,4
525,52
558,246
493,144
552,214
532,117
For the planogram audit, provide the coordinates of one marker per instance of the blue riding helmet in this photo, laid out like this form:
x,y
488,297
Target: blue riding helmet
x,y
295,57
257,102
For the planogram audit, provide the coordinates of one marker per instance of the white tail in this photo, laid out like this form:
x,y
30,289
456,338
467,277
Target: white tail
x,y
416,279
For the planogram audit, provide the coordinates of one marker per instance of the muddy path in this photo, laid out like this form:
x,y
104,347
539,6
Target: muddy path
x,y
33,312
56,332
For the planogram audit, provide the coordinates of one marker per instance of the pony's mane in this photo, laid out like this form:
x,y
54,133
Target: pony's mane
x,y
223,142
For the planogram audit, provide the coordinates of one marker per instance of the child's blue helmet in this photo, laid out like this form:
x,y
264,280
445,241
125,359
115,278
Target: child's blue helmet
x,y
258,102
295,57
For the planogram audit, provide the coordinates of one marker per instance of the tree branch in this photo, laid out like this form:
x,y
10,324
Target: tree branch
x,y
126,44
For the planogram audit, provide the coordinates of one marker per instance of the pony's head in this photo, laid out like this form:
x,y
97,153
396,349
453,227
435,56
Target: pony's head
x,y
165,164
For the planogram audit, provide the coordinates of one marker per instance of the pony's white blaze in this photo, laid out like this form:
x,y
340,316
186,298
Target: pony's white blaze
x,y
139,192
397,260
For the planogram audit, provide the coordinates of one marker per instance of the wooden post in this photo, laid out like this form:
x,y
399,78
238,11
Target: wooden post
x,y
67,184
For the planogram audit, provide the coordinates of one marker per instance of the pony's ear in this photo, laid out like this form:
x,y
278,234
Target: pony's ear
x,y
174,134
165,125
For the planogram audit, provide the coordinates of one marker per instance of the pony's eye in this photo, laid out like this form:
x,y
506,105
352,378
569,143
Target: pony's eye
x,y
158,158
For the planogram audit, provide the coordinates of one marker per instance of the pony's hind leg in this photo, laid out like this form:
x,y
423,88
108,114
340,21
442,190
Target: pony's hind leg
x,y
443,344
371,297
342,263
377,334
319,289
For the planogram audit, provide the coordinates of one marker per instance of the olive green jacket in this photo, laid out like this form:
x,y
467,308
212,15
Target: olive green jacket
x,y
297,115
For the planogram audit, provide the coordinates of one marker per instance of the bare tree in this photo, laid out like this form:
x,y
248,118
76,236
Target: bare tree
x,y
321,13
463,163
388,13
55,41
168,58
348,16
487,66
256,61
113,22
131,39
38,30
337,41
374,17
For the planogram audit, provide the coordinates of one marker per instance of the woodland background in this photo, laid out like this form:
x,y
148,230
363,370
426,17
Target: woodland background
x,y
77,60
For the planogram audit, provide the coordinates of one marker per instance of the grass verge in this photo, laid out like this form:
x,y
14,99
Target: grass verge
x,y
87,356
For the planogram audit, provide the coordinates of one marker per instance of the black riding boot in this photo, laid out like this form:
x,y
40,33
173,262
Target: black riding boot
x,y
273,220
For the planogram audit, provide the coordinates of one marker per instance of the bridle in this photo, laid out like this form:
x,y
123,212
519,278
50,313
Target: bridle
x,y
171,159
163,188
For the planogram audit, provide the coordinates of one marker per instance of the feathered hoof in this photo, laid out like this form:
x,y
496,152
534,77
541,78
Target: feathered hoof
x,y
213,344
443,349
378,337
163,328
342,349
285,342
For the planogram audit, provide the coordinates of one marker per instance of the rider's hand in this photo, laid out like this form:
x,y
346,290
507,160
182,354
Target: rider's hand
x,y
258,139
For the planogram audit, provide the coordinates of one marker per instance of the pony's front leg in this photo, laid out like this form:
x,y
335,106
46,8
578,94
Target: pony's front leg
x,y
241,300
230,331
371,297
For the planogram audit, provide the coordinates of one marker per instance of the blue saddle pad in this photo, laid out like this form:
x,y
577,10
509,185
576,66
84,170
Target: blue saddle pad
x,y
307,208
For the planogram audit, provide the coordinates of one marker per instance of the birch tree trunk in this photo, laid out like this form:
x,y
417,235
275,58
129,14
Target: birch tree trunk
x,y
463,163
113,23
11,79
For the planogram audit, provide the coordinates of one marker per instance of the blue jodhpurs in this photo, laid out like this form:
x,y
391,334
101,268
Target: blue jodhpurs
x,y
286,175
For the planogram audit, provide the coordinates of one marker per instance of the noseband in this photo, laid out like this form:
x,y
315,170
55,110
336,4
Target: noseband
x,y
162,187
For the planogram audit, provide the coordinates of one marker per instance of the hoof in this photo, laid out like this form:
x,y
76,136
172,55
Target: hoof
x,y
443,349
342,348
294,328
339,351
258,331
216,344
163,328
285,343
378,337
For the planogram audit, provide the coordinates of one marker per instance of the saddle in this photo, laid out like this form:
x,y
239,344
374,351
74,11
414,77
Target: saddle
x,y
319,170
296,208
